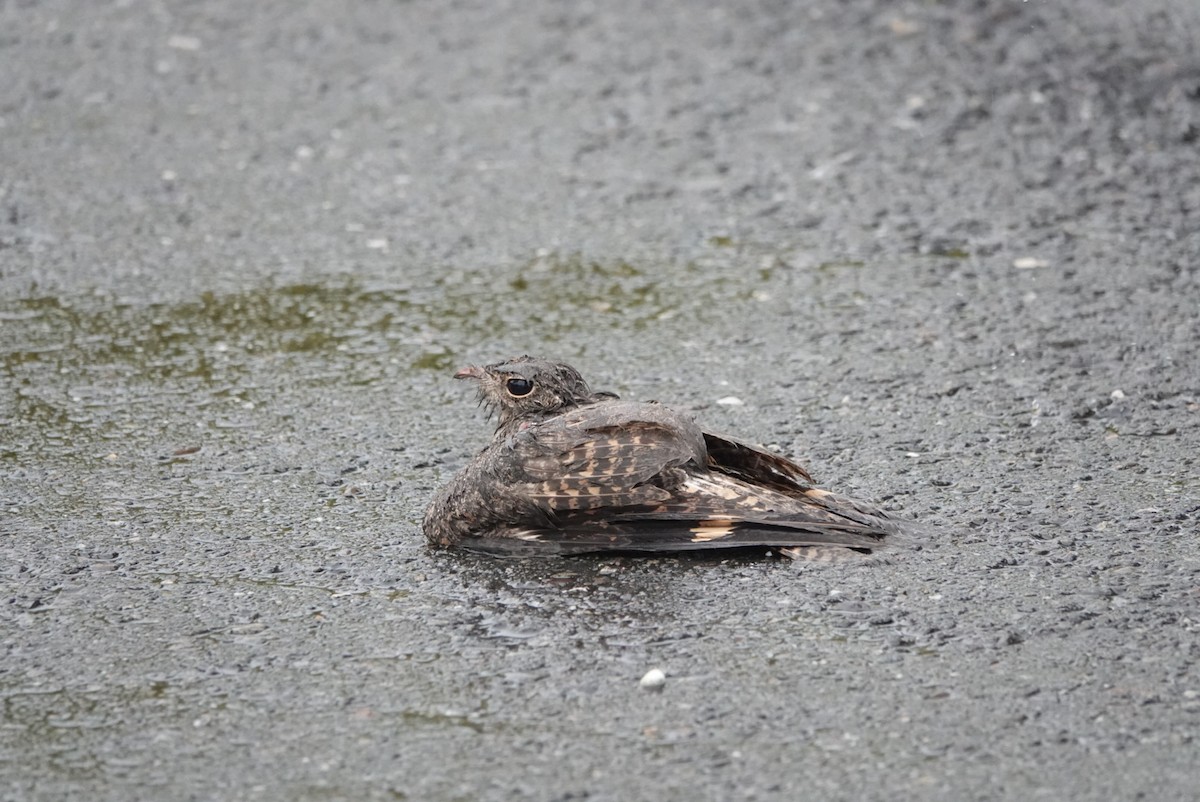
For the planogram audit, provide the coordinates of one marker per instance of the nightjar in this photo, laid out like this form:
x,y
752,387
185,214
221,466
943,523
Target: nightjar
x,y
570,470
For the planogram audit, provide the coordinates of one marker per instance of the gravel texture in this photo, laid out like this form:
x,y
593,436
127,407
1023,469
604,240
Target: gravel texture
x,y
948,254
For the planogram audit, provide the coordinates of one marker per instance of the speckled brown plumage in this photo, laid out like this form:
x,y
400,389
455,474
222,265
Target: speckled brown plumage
x,y
570,470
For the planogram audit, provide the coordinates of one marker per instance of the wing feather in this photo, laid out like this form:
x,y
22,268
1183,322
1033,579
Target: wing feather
x,y
637,477
757,466
627,457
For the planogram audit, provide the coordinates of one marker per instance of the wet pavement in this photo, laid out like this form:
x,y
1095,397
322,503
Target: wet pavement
x,y
947,256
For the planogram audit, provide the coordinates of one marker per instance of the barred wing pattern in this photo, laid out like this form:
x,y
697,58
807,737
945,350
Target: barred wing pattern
x,y
639,477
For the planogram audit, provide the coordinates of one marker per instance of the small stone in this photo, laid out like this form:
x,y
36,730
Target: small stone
x,y
730,401
181,42
653,680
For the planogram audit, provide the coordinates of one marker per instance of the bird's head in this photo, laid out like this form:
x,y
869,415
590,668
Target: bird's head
x,y
528,389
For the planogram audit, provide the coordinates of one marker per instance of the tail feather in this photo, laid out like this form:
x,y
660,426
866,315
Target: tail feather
x,y
664,536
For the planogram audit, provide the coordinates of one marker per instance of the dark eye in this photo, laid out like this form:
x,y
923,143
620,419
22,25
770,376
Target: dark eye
x,y
518,387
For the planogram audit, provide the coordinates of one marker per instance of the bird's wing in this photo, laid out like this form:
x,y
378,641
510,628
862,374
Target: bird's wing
x,y
762,469
754,465
638,477
711,511
605,458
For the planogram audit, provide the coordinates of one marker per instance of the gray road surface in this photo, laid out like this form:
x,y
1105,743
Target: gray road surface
x,y
945,253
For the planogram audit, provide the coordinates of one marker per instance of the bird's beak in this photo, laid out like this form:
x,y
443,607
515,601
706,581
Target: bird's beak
x,y
469,372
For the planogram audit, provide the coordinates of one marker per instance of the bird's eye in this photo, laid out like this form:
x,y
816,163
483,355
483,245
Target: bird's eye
x,y
518,387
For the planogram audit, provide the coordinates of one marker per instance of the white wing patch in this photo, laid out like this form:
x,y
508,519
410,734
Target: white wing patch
x,y
707,487
526,534
713,529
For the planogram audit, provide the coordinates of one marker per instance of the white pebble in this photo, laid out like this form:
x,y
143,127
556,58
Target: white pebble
x,y
181,42
730,401
1029,263
653,679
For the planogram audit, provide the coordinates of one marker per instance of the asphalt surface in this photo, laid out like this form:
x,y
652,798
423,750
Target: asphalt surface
x,y
946,254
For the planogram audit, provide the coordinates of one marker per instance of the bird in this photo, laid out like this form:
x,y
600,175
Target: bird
x,y
572,471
